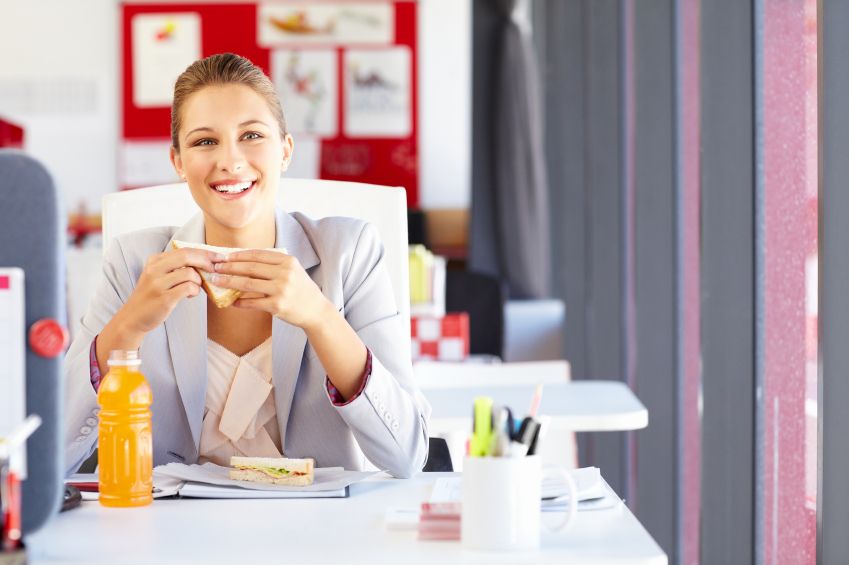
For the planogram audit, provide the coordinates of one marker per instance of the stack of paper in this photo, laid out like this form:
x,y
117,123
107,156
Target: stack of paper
x,y
439,521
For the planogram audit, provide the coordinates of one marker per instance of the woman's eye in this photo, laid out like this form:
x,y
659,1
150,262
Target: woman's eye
x,y
204,141
252,135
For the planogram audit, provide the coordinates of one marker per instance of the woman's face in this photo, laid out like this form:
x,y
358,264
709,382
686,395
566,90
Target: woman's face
x,y
231,154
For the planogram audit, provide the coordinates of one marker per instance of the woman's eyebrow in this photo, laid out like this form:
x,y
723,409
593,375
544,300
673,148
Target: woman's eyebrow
x,y
198,129
243,124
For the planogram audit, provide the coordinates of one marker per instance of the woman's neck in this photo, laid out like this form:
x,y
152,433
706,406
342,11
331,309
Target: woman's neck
x,y
259,234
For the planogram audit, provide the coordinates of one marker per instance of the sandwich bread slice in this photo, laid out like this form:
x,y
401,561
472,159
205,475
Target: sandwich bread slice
x,y
271,470
221,297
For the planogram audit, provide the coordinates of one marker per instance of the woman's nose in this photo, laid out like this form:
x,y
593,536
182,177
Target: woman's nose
x,y
231,158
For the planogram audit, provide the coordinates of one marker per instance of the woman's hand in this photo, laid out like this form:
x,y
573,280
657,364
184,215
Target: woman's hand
x,y
166,279
277,284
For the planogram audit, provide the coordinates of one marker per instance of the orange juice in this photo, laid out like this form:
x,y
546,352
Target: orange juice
x,y
124,437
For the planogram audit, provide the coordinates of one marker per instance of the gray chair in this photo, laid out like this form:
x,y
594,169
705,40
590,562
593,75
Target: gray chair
x,y
32,238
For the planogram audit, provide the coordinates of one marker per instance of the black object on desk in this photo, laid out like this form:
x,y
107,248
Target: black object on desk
x,y
72,498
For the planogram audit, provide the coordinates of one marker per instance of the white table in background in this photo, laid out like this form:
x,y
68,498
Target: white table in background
x,y
577,406
315,531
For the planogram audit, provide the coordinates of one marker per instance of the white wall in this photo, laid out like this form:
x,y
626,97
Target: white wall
x,y
59,79
445,108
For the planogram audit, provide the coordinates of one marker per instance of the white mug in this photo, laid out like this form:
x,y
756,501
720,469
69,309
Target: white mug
x,y
501,503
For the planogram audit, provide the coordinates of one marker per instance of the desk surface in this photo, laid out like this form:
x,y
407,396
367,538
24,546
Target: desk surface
x,y
348,530
580,406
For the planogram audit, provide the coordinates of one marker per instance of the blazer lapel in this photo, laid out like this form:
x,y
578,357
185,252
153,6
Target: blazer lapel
x,y
186,332
288,341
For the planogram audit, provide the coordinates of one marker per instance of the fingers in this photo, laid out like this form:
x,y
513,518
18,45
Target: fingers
x,y
249,269
268,256
264,304
188,257
178,276
187,289
245,284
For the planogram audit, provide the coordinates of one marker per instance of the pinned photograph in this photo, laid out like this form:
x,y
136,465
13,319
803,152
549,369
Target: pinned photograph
x,y
306,81
330,24
378,100
163,46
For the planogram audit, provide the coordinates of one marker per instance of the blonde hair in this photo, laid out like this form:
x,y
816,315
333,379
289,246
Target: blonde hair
x,y
218,70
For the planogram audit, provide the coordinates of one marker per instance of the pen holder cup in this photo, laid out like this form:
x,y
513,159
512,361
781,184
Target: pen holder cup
x,y
501,503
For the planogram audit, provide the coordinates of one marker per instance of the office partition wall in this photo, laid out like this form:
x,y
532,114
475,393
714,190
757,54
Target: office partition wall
x,y
833,391
727,278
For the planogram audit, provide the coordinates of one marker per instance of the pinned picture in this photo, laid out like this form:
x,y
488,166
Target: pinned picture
x,y
325,23
306,81
163,46
378,100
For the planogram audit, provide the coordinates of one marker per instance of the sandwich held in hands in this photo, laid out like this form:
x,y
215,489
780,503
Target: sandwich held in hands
x,y
273,470
221,297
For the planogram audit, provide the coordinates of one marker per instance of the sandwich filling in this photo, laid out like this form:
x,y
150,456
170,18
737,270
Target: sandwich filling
x,y
274,472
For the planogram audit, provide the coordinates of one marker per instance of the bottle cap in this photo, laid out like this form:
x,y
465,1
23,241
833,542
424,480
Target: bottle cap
x,y
124,357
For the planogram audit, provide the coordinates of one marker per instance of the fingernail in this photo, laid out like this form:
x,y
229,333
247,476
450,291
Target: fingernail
x,y
220,256
215,278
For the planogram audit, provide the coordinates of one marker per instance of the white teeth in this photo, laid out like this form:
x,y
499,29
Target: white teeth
x,y
231,188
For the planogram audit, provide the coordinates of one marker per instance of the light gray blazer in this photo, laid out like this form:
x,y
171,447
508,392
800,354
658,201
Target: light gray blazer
x,y
386,425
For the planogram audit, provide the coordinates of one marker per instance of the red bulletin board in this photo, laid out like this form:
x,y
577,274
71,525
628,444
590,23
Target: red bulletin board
x,y
233,28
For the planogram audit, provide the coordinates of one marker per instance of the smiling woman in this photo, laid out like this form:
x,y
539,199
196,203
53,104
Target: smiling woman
x,y
248,385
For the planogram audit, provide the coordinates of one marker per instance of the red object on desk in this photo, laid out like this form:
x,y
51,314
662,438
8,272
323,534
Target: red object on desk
x,y
12,518
93,486
443,339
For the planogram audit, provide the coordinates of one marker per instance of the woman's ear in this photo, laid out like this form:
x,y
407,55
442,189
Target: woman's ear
x,y
288,149
177,161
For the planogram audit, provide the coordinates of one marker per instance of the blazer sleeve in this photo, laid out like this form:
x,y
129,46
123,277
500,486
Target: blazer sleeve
x,y
389,419
81,409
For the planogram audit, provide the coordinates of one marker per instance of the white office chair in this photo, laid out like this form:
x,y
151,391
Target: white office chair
x,y
385,207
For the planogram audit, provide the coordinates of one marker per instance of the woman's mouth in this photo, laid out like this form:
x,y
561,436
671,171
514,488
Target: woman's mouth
x,y
232,190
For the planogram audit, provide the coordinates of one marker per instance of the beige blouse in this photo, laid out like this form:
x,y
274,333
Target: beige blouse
x,y
240,417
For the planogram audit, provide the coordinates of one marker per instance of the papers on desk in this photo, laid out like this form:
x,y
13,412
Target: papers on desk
x,y
593,493
212,481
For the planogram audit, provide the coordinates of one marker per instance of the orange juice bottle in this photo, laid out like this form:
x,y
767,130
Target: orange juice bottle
x,y
124,437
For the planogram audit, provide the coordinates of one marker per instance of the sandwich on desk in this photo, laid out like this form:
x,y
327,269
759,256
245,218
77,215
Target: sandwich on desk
x,y
273,470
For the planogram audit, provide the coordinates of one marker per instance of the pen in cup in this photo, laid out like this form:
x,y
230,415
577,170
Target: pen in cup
x,y
502,422
532,412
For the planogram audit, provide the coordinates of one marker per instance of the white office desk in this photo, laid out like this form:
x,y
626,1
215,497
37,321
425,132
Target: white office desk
x,y
314,531
576,406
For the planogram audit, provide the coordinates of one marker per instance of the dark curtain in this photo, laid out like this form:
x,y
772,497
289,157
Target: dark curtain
x,y
510,226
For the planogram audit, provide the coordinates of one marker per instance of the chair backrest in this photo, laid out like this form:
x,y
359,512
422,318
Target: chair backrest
x,y
385,207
